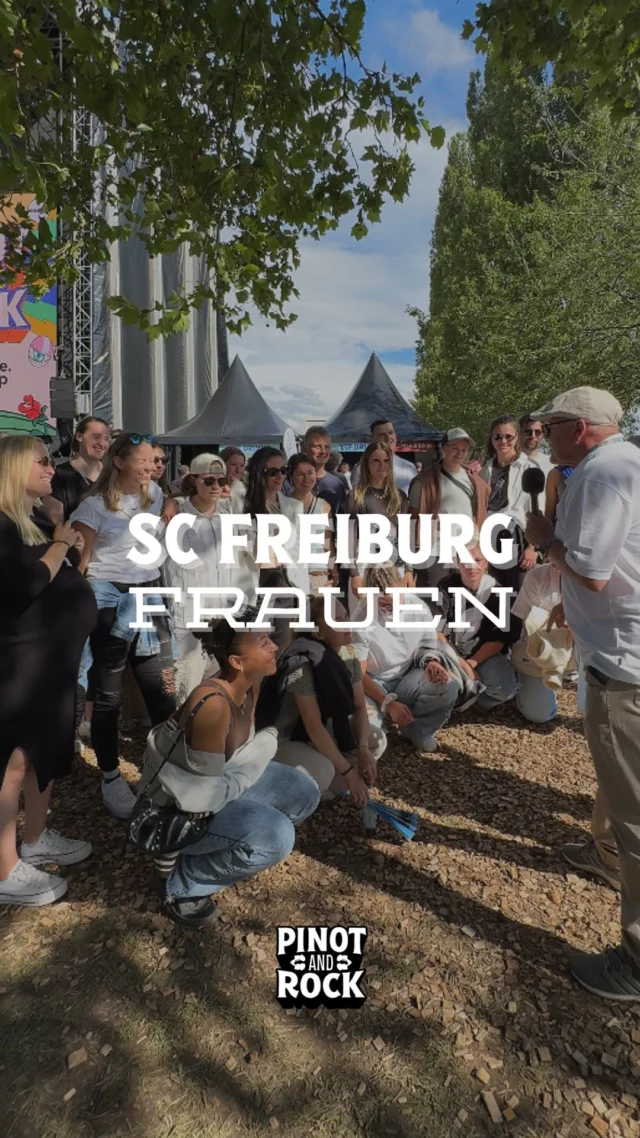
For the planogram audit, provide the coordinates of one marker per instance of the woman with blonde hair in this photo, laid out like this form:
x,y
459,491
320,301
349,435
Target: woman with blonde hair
x,y
376,492
125,488
47,610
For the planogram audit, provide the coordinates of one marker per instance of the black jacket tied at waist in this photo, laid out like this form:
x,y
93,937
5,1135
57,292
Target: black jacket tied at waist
x,y
333,688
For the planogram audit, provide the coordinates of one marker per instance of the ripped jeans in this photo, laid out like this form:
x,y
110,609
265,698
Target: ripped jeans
x,y
154,675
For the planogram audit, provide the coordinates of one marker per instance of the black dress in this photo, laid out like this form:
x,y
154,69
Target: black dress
x,y
43,627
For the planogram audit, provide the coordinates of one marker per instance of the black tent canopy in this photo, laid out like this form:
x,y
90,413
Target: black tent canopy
x,y
236,415
375,396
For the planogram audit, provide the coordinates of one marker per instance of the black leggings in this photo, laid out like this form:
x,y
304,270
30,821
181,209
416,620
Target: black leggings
x,y
154,676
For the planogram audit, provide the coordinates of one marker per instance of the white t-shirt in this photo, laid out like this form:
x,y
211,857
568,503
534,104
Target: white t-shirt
x,y
599,524
388,650
113,541
541,588
543,461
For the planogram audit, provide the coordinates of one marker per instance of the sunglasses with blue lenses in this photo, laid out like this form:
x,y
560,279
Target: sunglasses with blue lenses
x,y
137,439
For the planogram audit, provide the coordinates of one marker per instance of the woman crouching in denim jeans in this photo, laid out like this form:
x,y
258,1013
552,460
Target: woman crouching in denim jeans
x,y
219,765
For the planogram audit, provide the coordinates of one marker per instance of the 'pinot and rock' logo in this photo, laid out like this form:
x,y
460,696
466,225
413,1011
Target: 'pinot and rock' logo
x,y
319,965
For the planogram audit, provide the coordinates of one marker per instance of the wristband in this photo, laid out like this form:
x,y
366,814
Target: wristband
x,y
61,541
345,773
386,701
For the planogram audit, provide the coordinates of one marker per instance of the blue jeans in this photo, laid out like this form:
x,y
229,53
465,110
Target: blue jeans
x,y
430,704
250,834
499,679
537,703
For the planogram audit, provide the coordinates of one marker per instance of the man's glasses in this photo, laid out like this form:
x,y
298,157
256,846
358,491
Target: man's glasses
x,y
211,480
503,438
272,471
160,461
536,432
555,422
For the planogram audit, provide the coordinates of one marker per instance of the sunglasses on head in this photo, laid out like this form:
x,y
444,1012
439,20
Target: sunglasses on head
x,y
137,439
213,480
271,471
503,438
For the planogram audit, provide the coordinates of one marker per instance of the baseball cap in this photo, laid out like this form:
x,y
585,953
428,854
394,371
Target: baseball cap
x,y
456,435
207,464
600,408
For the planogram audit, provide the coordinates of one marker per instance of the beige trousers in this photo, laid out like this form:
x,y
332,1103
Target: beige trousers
x,y
612,728
304,757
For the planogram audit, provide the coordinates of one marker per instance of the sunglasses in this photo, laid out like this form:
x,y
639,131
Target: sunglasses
x,y
537,431
211,480
137,439
160,461
547,427
272,471
46,461
503,438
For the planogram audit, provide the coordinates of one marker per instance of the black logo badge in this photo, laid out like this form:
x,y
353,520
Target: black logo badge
x,y
320,965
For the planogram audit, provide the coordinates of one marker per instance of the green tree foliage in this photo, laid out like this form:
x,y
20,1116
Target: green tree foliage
x,y
600,38
535,261
234,126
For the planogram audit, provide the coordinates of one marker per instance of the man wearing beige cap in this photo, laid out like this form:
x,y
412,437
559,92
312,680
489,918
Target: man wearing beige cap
x,y
596,547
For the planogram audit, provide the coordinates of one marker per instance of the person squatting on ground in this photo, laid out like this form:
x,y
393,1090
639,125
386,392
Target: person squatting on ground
x,y
317,704
47,610
124,489
208,758
417,697
483,648
596,548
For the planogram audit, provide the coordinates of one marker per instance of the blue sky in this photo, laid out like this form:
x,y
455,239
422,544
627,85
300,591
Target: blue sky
x,y
353,295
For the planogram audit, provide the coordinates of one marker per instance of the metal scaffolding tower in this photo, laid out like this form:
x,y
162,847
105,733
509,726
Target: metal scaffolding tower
x,y
76,305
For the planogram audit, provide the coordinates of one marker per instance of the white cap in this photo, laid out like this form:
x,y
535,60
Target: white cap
x,y
207,464
597,407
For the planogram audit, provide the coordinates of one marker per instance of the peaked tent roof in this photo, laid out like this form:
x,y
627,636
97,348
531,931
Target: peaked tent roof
x,y
236,415
376,397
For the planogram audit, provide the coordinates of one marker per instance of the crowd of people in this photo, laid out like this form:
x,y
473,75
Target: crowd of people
x,y
250,730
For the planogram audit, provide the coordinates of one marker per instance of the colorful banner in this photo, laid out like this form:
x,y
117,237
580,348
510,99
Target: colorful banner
x,y
28,342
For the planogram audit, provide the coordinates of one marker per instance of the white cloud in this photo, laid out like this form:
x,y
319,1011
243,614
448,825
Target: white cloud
x,y
431,44
353,297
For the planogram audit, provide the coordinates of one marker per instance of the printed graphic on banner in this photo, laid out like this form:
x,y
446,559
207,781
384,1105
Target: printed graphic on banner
x,y
28,342
320,965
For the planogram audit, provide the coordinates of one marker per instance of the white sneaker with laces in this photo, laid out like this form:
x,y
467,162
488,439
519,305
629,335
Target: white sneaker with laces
x,y
27,885
52,847
118,797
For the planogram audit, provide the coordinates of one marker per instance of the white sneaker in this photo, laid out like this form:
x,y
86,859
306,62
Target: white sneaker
x,y
27,885
52,847
118,797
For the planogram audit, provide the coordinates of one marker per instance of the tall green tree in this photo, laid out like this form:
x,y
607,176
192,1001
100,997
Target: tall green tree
x,y
598,37
233,126
535,284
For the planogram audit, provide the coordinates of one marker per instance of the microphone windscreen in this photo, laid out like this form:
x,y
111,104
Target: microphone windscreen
x,y
533,480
